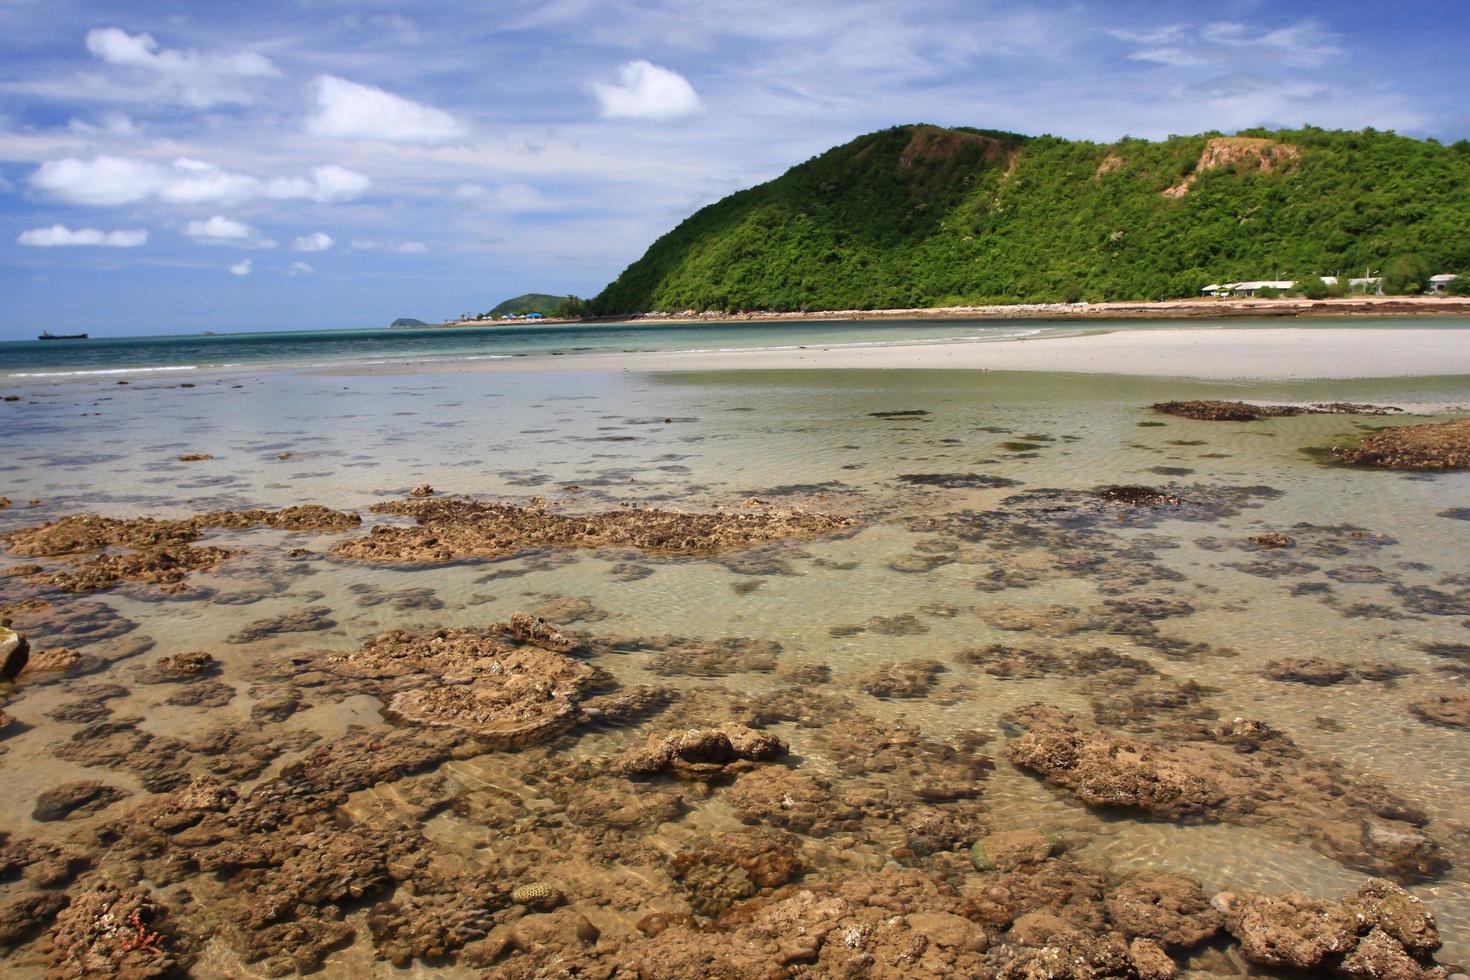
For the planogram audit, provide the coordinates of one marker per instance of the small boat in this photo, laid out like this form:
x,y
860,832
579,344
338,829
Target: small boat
x,y
48,335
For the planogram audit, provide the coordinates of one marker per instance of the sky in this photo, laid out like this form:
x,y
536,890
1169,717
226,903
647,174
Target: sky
x,y
171,167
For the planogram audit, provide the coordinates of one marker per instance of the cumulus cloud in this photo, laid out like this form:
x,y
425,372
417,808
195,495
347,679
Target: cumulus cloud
x,y
317,241
241,268
401,248
220,230
193,77
646,91
347,110
58,235
108,180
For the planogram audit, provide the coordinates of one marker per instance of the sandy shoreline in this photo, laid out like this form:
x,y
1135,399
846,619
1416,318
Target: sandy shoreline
x,y
1176,309
1220,353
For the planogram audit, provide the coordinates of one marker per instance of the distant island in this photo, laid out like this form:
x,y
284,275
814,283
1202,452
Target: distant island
x,y
407,321
922,216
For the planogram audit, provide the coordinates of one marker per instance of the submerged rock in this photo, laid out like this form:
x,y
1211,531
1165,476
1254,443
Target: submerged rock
x,y
312,619
1443,709
474,680
1010,849
909,679
1170,909
1242,772
105,551
63,801
1380,931
702,753
1432,446
106,931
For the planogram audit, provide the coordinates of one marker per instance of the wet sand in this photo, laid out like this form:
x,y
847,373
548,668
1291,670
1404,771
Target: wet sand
x,y
1207,352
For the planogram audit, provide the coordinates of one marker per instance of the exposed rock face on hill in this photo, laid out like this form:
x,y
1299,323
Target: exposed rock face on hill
x,y
1242,154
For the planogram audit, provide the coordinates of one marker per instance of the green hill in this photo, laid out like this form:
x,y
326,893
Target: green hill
x,y
530,303
924,216
407,321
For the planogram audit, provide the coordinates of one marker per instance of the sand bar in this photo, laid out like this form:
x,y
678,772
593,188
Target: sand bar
x,y
1213,352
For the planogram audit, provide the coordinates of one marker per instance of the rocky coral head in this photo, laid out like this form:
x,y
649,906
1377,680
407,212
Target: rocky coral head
x,y
702,753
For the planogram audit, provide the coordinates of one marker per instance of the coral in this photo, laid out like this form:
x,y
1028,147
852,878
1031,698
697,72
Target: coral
x,y
454,529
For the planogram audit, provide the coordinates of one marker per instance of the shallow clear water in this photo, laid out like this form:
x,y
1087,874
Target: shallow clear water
x,y
189,354
808,439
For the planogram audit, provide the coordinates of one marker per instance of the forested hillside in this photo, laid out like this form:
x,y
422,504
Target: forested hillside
x,y
925,216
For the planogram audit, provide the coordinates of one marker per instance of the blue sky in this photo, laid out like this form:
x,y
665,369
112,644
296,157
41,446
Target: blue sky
x,y
183,166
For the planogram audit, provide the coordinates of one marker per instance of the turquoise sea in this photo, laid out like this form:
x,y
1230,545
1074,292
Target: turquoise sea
x,y
198,352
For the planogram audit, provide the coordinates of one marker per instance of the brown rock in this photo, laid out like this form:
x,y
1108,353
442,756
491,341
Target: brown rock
x,y
1150,961
909,679
1241,772
1443,709
1009,849
26,914
15,652
106,931
449,530
1433,446
1167,908
702,753
1290,931
68,799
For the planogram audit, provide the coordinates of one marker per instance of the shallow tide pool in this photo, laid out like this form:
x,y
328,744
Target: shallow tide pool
x,y
976,566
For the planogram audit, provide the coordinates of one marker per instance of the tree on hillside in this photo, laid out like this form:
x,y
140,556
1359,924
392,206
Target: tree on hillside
x,y
1405,275
1314,288
572,306
1460,286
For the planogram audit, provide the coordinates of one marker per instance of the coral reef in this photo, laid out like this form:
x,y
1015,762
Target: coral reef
x,y
456,529
1218,411
1432,446
1241,772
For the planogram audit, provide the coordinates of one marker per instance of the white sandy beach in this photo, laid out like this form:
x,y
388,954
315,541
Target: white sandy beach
x,y
1209,352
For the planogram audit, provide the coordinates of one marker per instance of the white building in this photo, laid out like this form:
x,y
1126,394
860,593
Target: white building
x,y
1441,284
1254,286
1247,288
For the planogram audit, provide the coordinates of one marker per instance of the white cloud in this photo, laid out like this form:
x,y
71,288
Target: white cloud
x,y
506,197
220,230
1150,35
115,124
347,110
402,248
241,268
326,185
1173,57
301,269
646,91
317,241
58,235
108,180
192,77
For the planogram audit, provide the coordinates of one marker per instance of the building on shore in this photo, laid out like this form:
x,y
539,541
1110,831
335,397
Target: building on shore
x,y
1441,284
